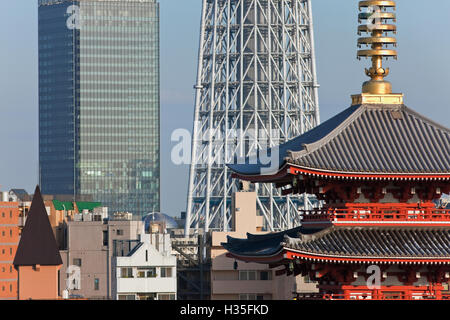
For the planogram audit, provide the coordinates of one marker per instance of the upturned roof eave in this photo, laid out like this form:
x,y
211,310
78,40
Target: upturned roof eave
x,y
330,258
333,154
290,169
287,254
296,170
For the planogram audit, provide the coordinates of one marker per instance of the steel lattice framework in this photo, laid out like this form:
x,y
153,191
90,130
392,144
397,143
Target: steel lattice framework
x,y
256,87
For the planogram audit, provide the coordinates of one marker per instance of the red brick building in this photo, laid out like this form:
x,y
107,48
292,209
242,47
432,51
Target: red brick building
x,y
37,259
9,239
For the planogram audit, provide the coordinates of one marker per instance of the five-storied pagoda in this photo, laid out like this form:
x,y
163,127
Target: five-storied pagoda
x,y
377,167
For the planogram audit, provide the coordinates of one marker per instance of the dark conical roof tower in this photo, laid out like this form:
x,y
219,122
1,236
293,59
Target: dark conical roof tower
x,y
37,245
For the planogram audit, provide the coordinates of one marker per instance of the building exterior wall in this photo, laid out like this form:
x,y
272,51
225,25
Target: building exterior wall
x,y
57,98
9,240
91,243
99,101
305,285
155,253
250,280
38,283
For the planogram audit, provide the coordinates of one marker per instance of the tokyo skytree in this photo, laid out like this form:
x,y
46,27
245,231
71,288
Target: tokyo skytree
x,y
256,88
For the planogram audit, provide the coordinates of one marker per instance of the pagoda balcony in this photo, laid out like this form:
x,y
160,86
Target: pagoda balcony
x,y
377,214
371,296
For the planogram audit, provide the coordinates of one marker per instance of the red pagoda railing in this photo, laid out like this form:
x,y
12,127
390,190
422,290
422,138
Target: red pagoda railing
x,y
320,296
377,213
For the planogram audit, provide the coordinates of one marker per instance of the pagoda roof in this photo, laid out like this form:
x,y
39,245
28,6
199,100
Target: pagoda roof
x,y
37,244
347,245
363,139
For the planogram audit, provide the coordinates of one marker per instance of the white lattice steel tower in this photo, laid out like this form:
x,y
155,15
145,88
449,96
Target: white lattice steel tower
x,y
256,87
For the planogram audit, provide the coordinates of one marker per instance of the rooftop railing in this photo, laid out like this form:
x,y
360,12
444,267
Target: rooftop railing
x,y
356,297
377,214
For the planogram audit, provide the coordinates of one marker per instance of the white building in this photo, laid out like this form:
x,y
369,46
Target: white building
x,y
148,271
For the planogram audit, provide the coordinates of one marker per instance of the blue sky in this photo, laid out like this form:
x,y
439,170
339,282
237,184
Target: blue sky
x,y
422,73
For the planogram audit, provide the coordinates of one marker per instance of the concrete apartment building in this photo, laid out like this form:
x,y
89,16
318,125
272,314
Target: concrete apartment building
x,y
9,240
92,245
248,281
148,271
119,259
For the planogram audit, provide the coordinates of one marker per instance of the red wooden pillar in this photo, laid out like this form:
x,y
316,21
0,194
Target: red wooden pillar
x,y
376,295
347,294
407,294
438,290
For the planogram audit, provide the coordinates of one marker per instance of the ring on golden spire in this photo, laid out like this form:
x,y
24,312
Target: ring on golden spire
x,y
377,22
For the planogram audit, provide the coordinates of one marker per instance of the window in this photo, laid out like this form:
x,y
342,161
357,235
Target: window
x,y
166,272
146,296
77,262
119,232
126,273
127,297
146,272
247,275
166,296
250,296
105,238
265,275
96,284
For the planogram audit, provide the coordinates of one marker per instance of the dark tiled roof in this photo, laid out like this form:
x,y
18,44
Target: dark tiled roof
x,y
375,139
37,244
354,242
21,194
376,242
253,165
261,245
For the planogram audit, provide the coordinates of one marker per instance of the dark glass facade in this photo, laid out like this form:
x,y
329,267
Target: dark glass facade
x,y
99,102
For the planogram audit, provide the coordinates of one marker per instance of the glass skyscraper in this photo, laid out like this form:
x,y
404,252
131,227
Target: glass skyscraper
x,y
99,128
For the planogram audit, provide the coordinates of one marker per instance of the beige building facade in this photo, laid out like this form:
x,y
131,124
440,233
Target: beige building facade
x,y
92,246
231,280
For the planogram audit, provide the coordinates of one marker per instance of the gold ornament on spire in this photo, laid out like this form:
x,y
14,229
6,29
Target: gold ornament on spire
x,y
377,23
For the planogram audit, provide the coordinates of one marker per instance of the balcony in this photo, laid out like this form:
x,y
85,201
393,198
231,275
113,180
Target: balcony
x,y
378,214
146,285
368,296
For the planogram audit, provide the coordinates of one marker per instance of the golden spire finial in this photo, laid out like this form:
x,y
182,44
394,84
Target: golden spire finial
x,y
377,25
